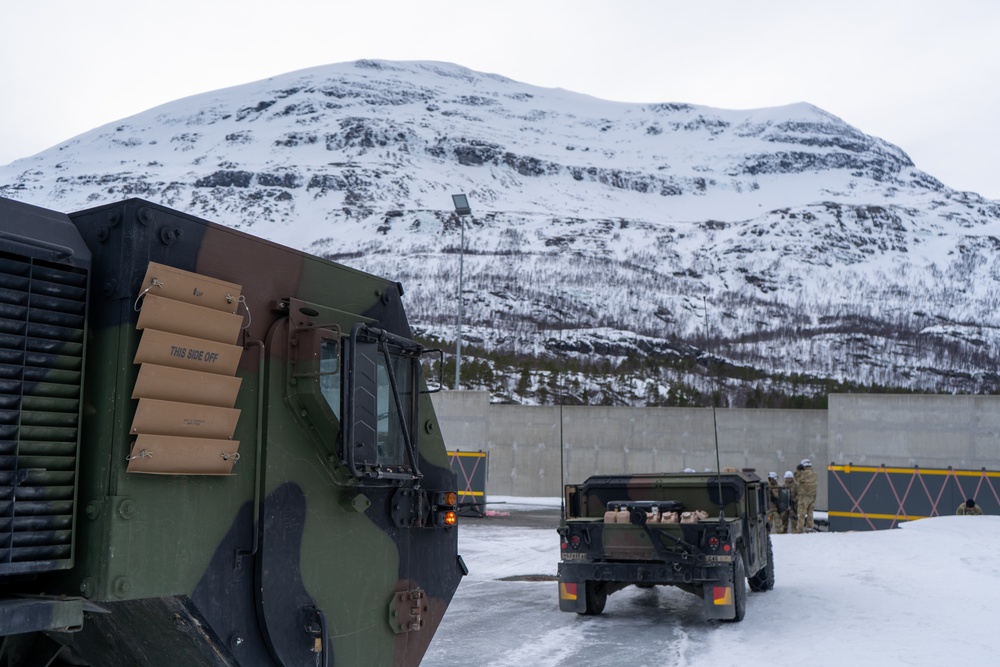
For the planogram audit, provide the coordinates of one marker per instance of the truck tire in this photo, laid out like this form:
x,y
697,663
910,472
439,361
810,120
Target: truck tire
x,y
595,596
764,579
739,590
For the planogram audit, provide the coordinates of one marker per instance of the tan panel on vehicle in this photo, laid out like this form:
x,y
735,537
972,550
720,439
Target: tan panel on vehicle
x,y
190,287
184,419
188,319
177,384
169,455
196,354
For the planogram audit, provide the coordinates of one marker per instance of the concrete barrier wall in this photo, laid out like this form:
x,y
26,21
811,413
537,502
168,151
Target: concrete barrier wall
x,y
533,448
907,430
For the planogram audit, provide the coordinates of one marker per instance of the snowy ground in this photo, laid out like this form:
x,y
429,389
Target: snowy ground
x,y
924,594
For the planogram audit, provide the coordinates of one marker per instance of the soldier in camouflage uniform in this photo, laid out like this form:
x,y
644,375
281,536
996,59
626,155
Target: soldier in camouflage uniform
x,y
788,517
807,483
773,511
969,507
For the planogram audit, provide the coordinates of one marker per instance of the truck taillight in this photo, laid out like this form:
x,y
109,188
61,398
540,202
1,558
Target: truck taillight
x,y
445,509
713,543
574,541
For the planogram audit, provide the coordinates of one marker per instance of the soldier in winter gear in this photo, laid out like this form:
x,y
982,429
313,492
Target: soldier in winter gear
x,y
774,511
788,515
969,507
807,483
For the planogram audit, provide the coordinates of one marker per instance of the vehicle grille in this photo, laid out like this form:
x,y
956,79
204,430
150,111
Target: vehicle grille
x,y
42,316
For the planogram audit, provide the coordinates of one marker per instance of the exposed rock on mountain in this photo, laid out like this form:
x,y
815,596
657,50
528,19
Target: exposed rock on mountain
x,y
626,248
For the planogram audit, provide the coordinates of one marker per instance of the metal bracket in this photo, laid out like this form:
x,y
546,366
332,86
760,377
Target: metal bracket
x,y
409,508
406,611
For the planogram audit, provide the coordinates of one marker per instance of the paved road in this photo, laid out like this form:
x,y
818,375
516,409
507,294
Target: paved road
x,y
506,612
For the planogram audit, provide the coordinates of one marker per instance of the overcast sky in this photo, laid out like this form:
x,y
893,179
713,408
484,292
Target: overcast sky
x,y
922,74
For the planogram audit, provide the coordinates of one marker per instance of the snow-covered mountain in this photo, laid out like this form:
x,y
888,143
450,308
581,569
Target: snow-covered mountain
x,y
624,246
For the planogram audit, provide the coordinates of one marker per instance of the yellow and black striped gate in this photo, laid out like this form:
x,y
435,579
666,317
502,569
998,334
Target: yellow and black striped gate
x,y
874,498
471,468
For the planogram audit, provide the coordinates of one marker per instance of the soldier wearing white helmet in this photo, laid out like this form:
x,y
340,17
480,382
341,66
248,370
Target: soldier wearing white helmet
x,y
807,482
788,515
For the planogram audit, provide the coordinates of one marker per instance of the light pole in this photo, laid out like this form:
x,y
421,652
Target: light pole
x,y
461,209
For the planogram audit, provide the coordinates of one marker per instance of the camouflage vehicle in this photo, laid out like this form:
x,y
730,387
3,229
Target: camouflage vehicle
x,y
214,450
704,533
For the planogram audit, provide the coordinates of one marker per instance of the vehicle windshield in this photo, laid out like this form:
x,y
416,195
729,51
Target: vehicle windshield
x,y
329,375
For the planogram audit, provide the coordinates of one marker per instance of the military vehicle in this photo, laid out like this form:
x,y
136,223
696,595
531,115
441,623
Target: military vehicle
x,y
214,450
705,533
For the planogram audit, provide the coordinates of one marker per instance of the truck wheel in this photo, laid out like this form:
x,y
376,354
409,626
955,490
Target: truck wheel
x,y
739,590
764,579
596,597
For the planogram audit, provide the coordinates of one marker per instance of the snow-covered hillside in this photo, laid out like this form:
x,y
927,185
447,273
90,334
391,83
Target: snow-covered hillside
x,y
626,244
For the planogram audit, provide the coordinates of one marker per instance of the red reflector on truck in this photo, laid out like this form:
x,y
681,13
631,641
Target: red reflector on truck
x,y
723,595
567,591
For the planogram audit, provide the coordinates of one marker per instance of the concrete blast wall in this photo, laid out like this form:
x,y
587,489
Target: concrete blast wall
x,y
532,449
962,432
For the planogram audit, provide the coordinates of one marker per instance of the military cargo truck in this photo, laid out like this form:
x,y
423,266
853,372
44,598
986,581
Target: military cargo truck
x,y
214,450
705,533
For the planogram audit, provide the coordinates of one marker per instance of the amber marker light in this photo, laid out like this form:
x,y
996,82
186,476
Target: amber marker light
x,y
450,498
450,518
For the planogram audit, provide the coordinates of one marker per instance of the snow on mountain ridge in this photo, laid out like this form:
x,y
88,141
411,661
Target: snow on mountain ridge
x,y
776,216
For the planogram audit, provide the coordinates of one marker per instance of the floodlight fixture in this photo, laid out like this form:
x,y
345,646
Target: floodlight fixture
x,y
461,205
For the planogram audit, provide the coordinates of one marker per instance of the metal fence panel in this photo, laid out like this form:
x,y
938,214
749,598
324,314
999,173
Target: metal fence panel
x,y
470,467
875,498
